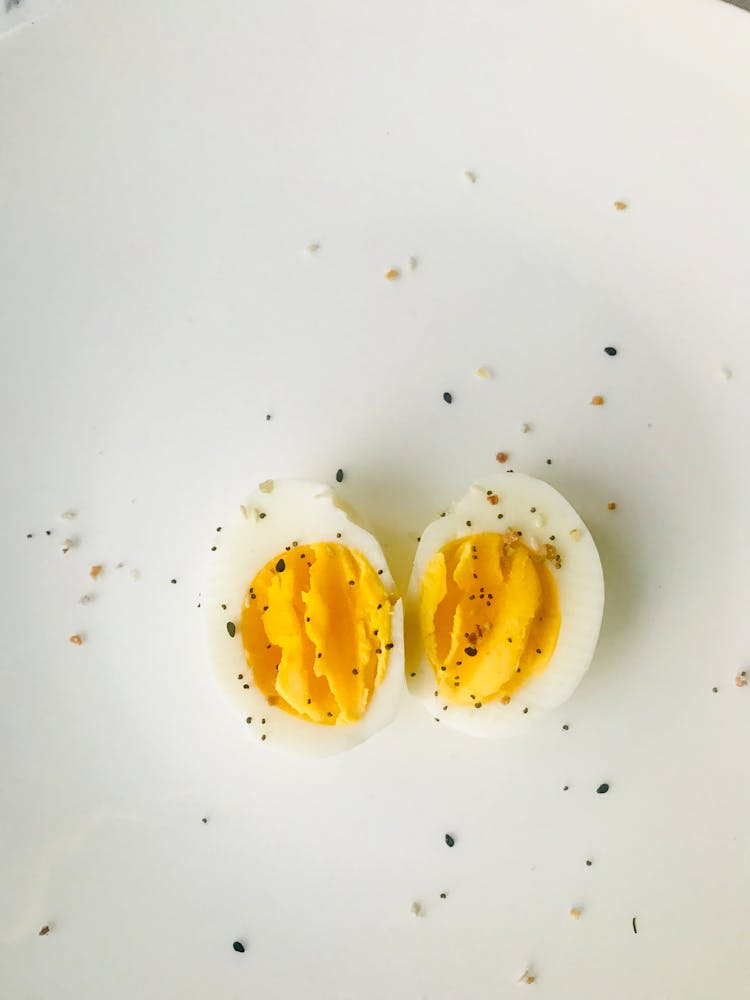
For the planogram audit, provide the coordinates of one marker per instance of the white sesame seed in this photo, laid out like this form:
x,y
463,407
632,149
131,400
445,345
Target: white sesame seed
x,y
483,373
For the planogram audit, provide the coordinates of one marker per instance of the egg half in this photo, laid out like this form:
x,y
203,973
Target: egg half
x,y
504,607
304,623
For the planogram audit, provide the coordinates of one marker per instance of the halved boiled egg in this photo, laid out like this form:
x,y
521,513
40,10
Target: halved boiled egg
x,y
504,606
304,623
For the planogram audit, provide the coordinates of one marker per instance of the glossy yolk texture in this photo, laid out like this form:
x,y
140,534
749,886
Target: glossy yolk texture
x,y
489,617
316,631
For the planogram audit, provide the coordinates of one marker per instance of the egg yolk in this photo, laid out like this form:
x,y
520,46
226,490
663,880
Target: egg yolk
x,y
489,616
316,631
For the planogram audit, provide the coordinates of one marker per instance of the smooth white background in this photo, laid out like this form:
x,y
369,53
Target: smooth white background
x,y
162,168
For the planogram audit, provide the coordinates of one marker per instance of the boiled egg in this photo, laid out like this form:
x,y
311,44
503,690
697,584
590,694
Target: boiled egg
x,y
304,623
504,607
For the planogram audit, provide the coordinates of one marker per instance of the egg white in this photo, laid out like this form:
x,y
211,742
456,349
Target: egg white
x,y
278,513
580,590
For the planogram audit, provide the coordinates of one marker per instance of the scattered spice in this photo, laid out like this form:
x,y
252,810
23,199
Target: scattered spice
x,y
549,461
715,690
339,475
447,397
527,977
67,545
576,912
576,534
266,486
76,639
416,909
566,727
470,176
611,505
450,840
443,895
204,819
597,400
494,499
173,580
95,571
525,428
635,929
391,274
620,205
67,515
602,789
589,863
741,679
85,598
312,248
268,416
413,263
611,351
483,373
231,629
238,946
501,457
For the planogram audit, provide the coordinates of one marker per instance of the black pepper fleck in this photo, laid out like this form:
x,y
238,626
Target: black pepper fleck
x,y
470,651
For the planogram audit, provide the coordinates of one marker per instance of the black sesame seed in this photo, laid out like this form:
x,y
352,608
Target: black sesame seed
x,y
249,719
338,534
268,416
262,515
468,524
525,711
470,651
219,528
602,789
389,645
29,536
280,566
566,727
412,675
351,583
444,895
611,351
355,671
447,397
566,787
238,946
589,864
204,819
450,841
173,581
549,461
48,533
339,475
213,548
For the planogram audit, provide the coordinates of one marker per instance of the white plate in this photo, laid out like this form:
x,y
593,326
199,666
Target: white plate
x,y
160,178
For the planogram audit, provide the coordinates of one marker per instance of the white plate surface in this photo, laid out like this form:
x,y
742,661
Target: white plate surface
x,y
162,169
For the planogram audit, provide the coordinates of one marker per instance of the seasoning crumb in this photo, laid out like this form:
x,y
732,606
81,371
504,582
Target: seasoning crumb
x,y
447,397
339,475
602,789
391,274
566,727
589,863
312,248
741,679
238,946
715,690
450,840
525,428
576,912
597,400
611,505
76,639
501,457
416,909
576,534
443,895
483,373
67,545
470,176
620,206
527,977
95,571
43,931
266,486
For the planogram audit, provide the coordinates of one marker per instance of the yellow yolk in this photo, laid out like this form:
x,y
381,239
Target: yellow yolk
x,y
489,616
316,631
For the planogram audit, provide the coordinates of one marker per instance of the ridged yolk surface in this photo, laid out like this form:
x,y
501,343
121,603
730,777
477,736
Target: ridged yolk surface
x,y
489,617
316,631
